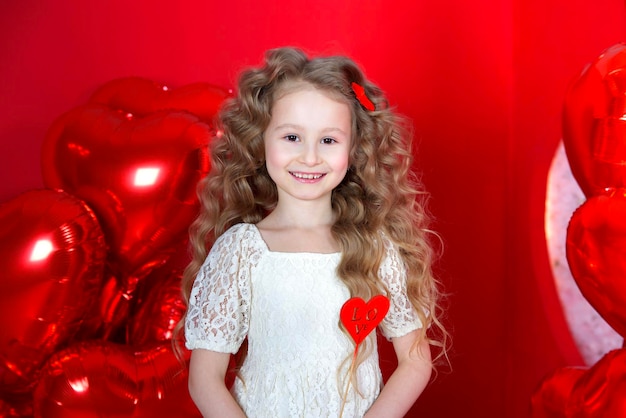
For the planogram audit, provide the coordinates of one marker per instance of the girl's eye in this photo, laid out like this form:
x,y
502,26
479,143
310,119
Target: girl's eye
x,y
291,137
328,140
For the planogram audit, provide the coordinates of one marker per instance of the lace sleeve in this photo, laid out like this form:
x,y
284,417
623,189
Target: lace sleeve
x,y
401,318
218,312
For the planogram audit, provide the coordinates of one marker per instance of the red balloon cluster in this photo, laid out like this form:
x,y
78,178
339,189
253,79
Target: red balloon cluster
x,y
594,135
92,264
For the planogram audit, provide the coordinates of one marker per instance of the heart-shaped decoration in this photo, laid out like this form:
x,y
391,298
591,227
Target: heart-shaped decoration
x,y
360,318
107,380
597,392
594,128
551,398
139,175
140,97
596,254
16,407
159,306
52,254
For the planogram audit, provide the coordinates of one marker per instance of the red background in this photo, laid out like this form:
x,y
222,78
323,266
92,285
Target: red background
x,y
483,82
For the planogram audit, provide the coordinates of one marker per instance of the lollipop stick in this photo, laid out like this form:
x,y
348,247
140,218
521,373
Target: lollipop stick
x,y
344,399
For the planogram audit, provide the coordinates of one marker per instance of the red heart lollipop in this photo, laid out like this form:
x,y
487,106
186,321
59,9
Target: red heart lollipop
x,y
360,318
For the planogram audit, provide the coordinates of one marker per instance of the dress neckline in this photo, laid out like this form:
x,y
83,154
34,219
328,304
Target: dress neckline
x,y
268,250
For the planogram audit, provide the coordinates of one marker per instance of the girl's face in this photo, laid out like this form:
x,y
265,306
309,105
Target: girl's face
x,y
307,144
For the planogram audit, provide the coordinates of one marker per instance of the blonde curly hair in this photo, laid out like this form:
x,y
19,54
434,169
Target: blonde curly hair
x,y
379,193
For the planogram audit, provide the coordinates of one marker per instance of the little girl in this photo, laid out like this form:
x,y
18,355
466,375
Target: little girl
x,y
310,202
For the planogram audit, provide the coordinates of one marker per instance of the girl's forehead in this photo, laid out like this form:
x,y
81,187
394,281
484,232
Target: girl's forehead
x,y
300,85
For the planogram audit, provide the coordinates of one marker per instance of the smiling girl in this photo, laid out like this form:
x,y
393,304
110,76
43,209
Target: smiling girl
x,y
310,202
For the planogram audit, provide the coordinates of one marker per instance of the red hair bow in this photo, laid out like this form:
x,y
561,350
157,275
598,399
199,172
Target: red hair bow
x,y
365,101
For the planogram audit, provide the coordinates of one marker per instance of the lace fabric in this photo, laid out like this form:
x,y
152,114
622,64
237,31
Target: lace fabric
x,y
288,304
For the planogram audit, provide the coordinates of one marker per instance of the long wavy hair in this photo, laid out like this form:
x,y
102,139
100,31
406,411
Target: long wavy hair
x,y
379,193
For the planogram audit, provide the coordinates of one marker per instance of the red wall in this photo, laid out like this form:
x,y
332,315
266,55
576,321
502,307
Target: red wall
x,y
482,80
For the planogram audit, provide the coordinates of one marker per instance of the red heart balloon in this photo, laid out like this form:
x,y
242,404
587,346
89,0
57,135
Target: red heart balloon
x,y
360,318
52,254
139,175
596,254
141,96
16,407
601,391
159,307
597,392
594,123
551,398
107,380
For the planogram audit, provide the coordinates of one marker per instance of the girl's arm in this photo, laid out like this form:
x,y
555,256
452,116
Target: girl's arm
x,y
408,380
207,370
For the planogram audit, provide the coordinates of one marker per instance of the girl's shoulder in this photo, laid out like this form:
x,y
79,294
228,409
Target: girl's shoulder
x,y
239,229
240,235
387,242
392,260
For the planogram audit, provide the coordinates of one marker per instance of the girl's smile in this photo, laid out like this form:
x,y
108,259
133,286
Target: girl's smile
x,y
307,176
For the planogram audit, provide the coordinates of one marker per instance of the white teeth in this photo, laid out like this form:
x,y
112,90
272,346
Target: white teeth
x,y
307,176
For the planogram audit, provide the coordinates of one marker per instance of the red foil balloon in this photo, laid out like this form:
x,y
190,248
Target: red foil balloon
x,y
139,175
141,97
159,307
52,254
550,400
106,380
16,407
596,253
601,392
594,123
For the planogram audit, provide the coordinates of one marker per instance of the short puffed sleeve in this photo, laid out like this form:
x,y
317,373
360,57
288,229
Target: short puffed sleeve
x,y
219,304
402,317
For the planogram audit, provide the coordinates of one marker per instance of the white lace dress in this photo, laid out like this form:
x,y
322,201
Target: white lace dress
x,y
288,304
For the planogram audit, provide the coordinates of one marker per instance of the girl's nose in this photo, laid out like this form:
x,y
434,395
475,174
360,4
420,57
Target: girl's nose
x,y
310,155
